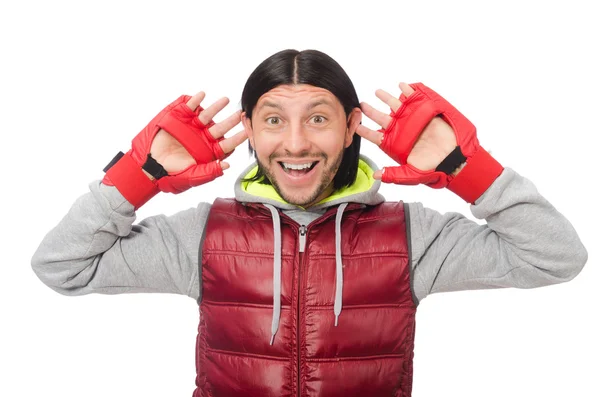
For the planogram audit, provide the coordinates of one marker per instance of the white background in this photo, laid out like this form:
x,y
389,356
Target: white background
x,y
80,79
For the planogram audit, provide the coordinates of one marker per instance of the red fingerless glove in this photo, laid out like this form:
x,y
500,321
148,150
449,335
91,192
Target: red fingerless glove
x,y
125,171
408,123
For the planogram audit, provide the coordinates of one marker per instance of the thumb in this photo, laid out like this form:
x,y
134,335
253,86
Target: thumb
x,y
401,175
204,173
194,175
409,175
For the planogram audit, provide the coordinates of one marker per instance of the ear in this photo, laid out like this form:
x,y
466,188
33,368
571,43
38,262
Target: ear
x,y
247,123
354,119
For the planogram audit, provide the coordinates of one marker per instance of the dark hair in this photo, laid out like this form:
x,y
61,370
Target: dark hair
x,y
305,67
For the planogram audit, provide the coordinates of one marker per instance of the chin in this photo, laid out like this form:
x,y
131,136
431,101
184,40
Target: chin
x,y
302,191
300,200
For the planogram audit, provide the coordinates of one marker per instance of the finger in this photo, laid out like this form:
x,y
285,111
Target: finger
x,y
194,101
207,114
229,144
406,89
379,117
223,164
377,175
220,129
393,102
373,136
201,174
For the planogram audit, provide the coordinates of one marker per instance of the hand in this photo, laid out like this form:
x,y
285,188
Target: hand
x,y
174,157
432,141
432,146
182,139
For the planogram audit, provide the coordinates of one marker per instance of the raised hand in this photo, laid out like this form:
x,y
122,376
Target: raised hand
x,y
174,157
432,141
190,146
431,146
180,148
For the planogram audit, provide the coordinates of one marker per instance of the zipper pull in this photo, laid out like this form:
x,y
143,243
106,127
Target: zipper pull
x,y
302,235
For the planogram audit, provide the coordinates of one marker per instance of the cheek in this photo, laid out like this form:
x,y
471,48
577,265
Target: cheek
x,y
331,141
264,146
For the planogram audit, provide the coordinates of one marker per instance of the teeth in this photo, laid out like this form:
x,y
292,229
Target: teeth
x,y
297,166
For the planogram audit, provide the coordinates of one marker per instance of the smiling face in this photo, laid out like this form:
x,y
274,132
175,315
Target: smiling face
x,y
299,133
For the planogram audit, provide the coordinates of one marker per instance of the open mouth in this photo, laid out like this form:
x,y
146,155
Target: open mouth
x,y
297,169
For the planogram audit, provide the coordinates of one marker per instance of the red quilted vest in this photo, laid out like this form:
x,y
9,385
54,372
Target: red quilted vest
x,y
369,352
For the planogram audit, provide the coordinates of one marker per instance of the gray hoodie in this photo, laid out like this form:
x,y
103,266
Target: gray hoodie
x,y
525,243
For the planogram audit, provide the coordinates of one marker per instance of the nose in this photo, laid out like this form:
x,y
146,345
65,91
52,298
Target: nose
x,y
296,141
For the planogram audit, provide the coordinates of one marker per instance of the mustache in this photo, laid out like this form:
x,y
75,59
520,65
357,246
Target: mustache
x,y
274,156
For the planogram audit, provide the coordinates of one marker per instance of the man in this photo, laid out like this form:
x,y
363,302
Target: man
x,y
308,281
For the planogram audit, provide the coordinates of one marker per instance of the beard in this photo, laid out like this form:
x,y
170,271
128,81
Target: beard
x,y
329,171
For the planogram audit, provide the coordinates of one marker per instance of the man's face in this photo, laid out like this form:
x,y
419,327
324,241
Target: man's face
x,y
299,133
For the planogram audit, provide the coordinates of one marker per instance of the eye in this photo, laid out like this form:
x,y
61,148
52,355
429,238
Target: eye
x,y
272,120
319,119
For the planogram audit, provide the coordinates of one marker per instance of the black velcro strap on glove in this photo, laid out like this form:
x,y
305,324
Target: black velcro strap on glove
x,y
452,161
152,167
113,161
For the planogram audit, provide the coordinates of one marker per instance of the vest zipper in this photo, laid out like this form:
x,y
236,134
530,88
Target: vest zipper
x,y
302,232
302,235
301,246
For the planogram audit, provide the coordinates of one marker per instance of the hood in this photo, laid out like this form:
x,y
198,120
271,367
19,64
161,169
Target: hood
x,y
364,191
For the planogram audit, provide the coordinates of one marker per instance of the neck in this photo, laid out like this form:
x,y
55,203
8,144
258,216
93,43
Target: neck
x,y
326,193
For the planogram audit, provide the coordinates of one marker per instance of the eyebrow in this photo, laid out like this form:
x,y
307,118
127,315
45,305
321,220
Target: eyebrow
x,y
270,105
308,107
319,102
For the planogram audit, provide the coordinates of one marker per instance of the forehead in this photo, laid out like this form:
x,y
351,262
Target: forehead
x,y
287,96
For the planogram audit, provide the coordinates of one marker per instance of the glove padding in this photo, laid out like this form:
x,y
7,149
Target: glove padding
x,y
407,124
183,124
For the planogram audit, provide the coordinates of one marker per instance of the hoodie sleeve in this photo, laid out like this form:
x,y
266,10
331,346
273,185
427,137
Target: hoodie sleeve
x,y
526,242
96,248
